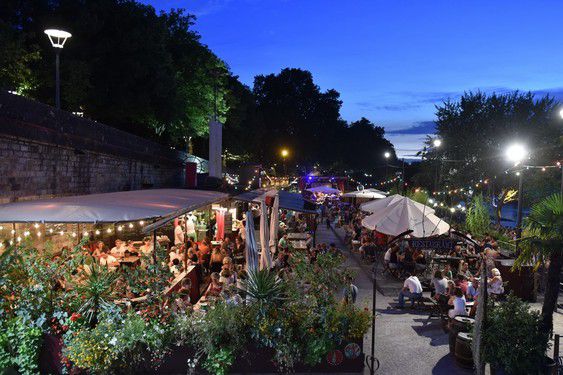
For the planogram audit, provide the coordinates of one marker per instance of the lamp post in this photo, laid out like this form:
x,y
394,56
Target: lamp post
x,y
516,153
387,155
284,154
58,39
436,143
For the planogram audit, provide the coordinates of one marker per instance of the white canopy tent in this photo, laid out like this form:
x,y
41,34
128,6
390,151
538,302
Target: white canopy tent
x,y
324,190
380,204
109,207
403,215
366,194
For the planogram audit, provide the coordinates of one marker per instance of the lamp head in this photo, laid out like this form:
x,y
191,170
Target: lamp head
x,y
387,154
57,37
437,142
284,153
516,153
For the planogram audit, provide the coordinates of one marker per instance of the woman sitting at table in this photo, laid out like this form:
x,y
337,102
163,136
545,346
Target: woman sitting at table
x,y
176,253
228,277
440,284
192,257
216,260
215,287
464,270
108,261
147,246
495,286
98,249
183,301
458,302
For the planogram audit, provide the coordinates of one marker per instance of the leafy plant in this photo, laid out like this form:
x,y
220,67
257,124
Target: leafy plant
x,y
20,341
543,240
264,287
96,290
477,219
513,339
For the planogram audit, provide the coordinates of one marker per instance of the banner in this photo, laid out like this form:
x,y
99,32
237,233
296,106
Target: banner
x,y
432,243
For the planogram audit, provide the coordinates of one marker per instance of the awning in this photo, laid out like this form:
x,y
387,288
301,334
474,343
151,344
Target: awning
x,y
288,201
109,207
366,194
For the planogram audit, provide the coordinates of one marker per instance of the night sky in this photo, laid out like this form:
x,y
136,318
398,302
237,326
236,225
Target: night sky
x,y
392,61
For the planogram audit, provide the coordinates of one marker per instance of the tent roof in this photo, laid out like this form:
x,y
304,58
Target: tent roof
x,y
109,207
288,201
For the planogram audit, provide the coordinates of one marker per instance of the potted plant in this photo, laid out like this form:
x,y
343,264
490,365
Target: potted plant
x,y
513,339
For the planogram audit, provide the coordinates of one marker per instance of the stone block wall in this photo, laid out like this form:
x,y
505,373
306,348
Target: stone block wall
x,y
45,152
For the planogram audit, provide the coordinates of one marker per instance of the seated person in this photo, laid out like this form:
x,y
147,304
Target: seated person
x,y
458,302
394,259
419,260
461,282
147,246
119,249
99,249
495,286
176,253
215,287
231,296
411,289
473,289
192,257
464,270
440,284
407,261
108,260
228,277
176,267
447,272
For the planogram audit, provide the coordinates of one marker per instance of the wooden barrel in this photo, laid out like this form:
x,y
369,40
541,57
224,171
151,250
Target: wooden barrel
x,y
463,352
459,324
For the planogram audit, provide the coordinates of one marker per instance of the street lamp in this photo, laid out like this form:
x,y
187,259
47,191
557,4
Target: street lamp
x,y
387,155
437,142
516,153
58,39
561,112
284,154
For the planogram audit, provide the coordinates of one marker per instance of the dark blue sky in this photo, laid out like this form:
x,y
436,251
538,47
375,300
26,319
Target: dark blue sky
x,y
393,60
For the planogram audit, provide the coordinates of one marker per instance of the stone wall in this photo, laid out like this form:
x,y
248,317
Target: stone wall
x,y
45,152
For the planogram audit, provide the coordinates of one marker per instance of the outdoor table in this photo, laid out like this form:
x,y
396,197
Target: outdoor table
x,y
297,236
299,244
129,260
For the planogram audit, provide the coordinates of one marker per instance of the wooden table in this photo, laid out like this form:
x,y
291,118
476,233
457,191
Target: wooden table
x,y
297,236
129,260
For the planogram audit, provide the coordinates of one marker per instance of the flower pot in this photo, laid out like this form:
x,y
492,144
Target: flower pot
x,y
463,352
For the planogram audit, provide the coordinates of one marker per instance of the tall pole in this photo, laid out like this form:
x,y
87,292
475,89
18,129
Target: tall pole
x,y
403,177
57,79
519,217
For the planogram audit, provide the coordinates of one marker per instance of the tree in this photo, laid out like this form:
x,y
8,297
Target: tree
x,y
477,128
543,243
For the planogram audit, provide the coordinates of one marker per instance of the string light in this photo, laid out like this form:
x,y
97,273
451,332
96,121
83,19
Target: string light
x,y
120,228
38,234
51,230
130,225
19,239
141,222
61,232
108,230
13,231
97,232
26,233
85,234
36,225
1,227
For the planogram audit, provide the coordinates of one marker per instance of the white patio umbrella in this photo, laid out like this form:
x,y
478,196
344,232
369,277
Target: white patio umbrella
x,y
274,224
324,189
251,246
366,194
380,204
403,215
265,256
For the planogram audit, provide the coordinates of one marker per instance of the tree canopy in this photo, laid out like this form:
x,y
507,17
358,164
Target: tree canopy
x,y
148,73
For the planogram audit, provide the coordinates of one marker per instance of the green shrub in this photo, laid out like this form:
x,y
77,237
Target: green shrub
x,y
20,342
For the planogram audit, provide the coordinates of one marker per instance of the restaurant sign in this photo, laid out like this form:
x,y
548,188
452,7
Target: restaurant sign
x,y
432,243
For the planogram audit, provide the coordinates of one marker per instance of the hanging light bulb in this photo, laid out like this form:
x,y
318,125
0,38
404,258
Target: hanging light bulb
x,y
85,234
38,234
142,222
19,239
120,228
13,231
11,242
130,225
1,227
26,233
108,230
97,231
36,225
61,232
452,209
73,234
51,230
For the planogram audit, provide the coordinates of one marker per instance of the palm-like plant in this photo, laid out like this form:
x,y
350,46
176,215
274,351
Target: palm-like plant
x,y
97,288
264,287
544,241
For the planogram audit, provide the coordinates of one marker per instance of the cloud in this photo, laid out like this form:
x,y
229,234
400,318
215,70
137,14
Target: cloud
x,y
421,127
556,93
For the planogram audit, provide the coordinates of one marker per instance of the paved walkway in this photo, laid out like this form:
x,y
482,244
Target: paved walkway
x,y
406,342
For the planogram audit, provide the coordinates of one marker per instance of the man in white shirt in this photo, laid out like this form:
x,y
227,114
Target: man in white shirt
x,y
179,234
411,289
118,250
